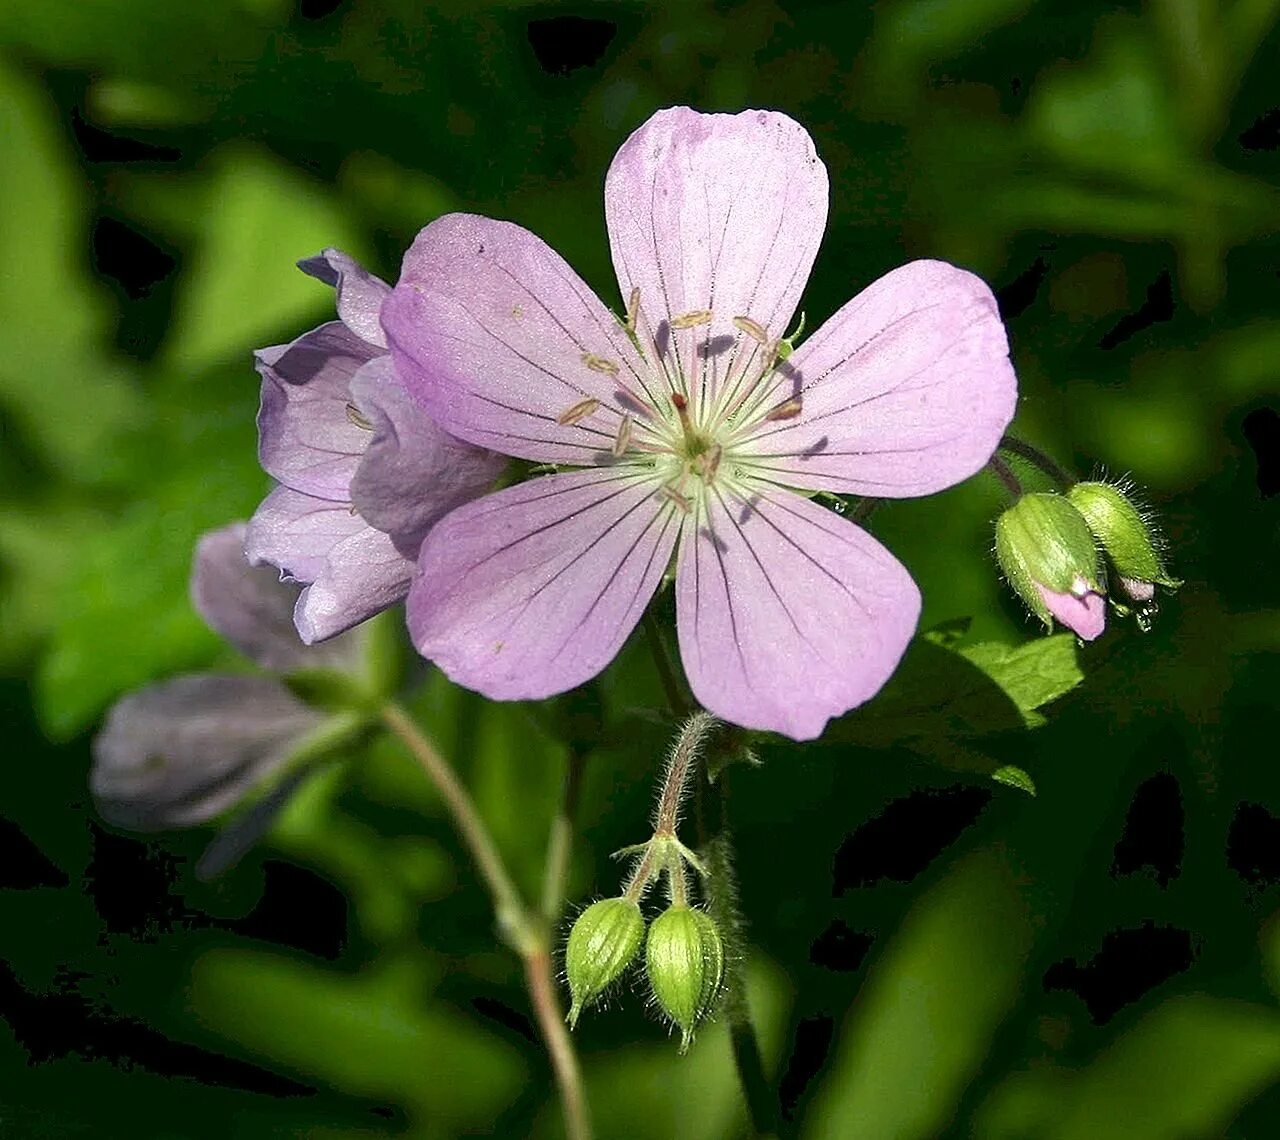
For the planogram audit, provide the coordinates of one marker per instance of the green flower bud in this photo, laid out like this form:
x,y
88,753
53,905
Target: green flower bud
x,y
1129,540
602,943
684,957
1047,553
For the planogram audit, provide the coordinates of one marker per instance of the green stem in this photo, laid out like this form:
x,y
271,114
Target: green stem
x,y
762,1103
1002,471
525,931
662,662
560,841
1038,459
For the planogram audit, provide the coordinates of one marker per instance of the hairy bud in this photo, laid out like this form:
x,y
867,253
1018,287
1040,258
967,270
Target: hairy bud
x,y
1048,555
601,945
684,958
1126,535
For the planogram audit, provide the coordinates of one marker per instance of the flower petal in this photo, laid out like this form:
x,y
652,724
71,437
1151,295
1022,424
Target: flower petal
x,y
413,472
788,614
178,753
360,293
498,339
1085,615
905,391
352,571
253,609
306,436
533,590
719,213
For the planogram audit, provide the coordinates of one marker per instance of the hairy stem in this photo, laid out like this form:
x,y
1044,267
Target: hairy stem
x,y
525,931
1039,459
1002,471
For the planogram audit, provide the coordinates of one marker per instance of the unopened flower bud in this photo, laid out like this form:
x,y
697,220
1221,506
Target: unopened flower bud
x,y
1048,555
602,943
1127,537
684,957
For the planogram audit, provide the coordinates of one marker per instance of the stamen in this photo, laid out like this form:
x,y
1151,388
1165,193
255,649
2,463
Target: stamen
x,y
669,493
599,364
633,310
787,410
580,411
754,329
711,463
692,320
354,415
623,439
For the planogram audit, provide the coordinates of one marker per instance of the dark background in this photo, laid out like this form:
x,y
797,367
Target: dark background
x,y
1097,960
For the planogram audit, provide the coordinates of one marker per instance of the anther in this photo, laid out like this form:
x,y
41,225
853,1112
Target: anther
x,y
354,415
787,410
692,320
580,411
623,439
599,364
711,463
633,309
754,329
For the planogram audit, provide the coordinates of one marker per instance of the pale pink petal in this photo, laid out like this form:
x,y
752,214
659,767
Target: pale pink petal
x,y
533,590
498,339
350,570
1084,615
360,293
905,391
715,212
413,472
253,609
307,437
788,614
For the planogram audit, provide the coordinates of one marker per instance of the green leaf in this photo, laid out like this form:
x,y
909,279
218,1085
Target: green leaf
x,y
369,1034
1014,777
1030,675
243,289
1185,1069
922,1025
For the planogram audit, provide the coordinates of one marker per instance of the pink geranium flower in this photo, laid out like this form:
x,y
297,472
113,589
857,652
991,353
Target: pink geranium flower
x,y
696,433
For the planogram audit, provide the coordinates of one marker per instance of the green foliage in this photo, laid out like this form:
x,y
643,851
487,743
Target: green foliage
x,y
1108,147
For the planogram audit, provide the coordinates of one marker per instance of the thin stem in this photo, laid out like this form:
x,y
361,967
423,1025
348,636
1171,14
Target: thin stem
x,y
676,781
539,974
1039,459
524,931
1002,471
666,674
507,903
763,1108
560,842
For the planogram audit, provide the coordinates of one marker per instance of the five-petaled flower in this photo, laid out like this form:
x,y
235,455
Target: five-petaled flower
x,y
696,429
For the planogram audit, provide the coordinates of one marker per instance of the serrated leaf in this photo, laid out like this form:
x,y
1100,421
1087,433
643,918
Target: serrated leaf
x,y
1031,675
1014,777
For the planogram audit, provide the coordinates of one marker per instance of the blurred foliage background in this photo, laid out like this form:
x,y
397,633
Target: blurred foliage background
x,y
933,955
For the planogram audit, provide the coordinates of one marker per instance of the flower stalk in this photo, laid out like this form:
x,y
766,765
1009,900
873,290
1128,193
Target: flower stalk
x,y
524,929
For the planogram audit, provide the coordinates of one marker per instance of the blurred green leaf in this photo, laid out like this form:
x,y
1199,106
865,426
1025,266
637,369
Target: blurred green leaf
x,y
1030,675
1184,1070
921,1027
1014,777
369,1034
241,288
55,360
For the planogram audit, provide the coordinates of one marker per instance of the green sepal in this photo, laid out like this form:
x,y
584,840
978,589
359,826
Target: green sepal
x,y
684,960
1130,541
603,941
1043,540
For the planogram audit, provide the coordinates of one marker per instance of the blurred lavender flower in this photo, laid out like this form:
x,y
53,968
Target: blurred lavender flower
x,y
692,419
363,471
180,752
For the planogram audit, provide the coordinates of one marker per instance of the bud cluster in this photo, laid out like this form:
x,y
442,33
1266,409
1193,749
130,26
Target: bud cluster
x,y
1055,550
684,956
